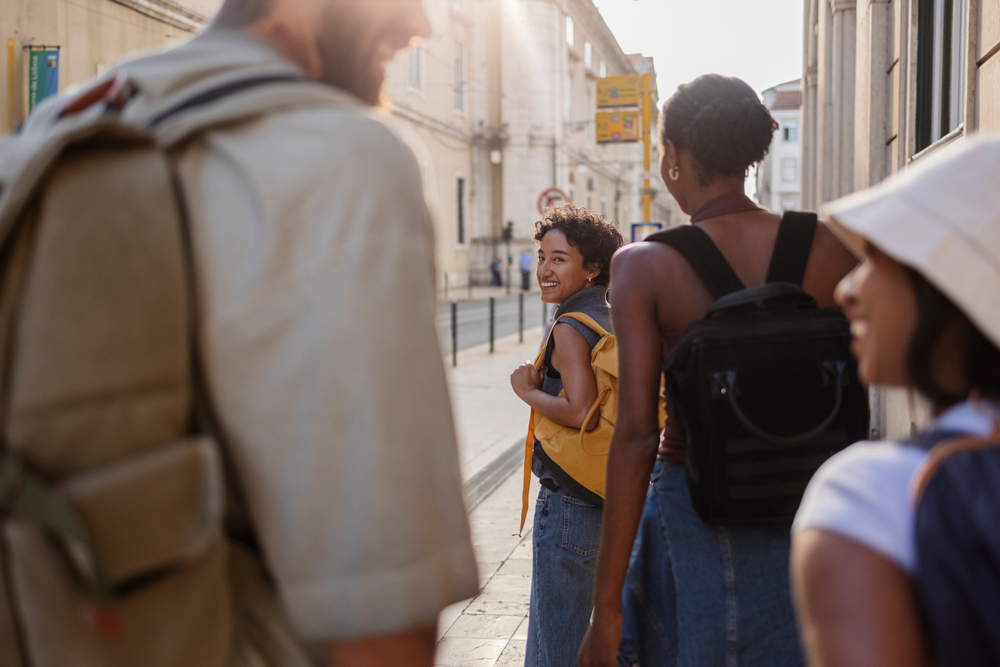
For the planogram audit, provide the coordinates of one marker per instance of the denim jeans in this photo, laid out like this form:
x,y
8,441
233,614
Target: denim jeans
x,y
705,596
565,536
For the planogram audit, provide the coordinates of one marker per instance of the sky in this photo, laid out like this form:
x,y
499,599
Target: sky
x,y
759,41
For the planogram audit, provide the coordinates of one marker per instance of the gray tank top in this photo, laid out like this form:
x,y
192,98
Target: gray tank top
x,y
592,301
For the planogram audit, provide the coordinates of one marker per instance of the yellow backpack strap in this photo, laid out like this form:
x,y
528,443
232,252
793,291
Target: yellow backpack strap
x,y
529,447
586,320
529,450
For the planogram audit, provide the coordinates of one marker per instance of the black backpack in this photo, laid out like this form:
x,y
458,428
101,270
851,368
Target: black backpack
x,y
958,548
765,387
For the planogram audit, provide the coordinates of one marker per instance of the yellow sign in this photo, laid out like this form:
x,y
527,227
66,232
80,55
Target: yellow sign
x,y
617,127
618,91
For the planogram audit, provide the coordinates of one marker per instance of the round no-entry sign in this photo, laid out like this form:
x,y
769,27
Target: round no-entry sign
x,y
550,197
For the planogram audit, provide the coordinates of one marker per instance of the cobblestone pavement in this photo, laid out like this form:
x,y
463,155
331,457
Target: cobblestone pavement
x,y
490,630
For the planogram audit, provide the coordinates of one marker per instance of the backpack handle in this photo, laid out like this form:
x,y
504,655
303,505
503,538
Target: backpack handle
x,y
727,382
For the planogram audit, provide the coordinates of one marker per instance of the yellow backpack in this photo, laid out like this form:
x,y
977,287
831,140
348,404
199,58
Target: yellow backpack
x,y
580,454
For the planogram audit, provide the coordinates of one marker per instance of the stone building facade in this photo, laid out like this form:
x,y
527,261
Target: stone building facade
x,y
886,83
502,98
498,103
778,174
90,34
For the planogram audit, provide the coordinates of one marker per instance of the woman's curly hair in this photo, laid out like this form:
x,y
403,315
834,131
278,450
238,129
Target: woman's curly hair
x,y
722,122
595,238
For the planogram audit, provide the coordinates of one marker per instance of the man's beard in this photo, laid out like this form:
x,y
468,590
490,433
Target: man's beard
x,y
343,60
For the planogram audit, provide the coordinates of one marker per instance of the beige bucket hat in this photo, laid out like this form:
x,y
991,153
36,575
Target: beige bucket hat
x,y
940,217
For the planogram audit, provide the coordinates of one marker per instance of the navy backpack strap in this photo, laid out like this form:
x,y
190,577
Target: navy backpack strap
x,y
704,257
791,249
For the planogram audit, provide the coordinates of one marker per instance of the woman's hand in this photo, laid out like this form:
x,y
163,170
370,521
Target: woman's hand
x,y
525,379
600,644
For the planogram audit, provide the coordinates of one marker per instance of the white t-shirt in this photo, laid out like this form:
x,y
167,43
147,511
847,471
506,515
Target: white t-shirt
x,y
865,493
315,259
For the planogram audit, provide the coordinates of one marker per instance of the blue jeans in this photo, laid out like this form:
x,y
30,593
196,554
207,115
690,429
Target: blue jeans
x,y
705,596
565,536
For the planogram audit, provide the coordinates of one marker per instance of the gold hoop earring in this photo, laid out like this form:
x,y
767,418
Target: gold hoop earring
x,y
674,173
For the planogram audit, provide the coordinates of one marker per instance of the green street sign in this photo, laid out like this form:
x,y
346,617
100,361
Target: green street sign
x,y
43,75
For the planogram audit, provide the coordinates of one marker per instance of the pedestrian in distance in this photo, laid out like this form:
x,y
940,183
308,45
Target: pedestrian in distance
x,y
495,279
896,548
570,392
233,416
527,262
689,593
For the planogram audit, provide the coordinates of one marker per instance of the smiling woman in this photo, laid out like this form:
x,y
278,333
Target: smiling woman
x,y
895,551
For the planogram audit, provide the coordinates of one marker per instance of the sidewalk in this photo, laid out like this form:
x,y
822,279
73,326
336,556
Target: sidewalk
x,y
491,420
490,630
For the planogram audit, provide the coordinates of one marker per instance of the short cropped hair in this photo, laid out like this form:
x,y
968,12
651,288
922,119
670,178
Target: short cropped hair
x,y
595,238
721,122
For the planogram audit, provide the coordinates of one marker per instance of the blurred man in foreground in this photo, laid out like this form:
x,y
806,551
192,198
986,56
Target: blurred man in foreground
x,y
314,256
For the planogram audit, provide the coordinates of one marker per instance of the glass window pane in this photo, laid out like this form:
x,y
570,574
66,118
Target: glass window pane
x,y
459,76
789,170
416,69
790,129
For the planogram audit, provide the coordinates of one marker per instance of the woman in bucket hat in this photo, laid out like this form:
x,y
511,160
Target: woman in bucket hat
x,y
896,547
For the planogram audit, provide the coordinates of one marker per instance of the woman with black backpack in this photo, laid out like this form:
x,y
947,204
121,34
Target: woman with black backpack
x,y
896,548
696,594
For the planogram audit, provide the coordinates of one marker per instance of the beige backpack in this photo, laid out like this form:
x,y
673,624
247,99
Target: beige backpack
x,y
114,548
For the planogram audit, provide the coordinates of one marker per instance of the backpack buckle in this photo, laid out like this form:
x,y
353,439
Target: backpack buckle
x,y
723,383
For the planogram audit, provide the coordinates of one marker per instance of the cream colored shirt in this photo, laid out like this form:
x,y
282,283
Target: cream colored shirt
x,y
315,259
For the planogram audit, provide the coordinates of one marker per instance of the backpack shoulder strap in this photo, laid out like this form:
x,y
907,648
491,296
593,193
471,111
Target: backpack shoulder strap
x,y
791,249
228,98
947,448
222,90
587,321
704,257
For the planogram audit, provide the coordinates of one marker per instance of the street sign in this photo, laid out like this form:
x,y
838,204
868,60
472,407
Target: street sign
x,y
550,197
43,74
640,230
618,91
617,127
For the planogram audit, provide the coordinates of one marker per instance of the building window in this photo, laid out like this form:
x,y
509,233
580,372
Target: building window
x,y
459,77
570,94
588,54
941,44
604,207
603,69
460,209
570,31
789,170
789,203
415,68
790,130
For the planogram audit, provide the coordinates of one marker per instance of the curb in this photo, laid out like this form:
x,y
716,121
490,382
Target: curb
x,y
485,482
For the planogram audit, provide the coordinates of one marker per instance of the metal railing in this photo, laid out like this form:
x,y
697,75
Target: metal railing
x,y
472,323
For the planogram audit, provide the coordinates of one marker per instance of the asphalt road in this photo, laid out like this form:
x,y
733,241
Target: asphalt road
x,y
474,319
